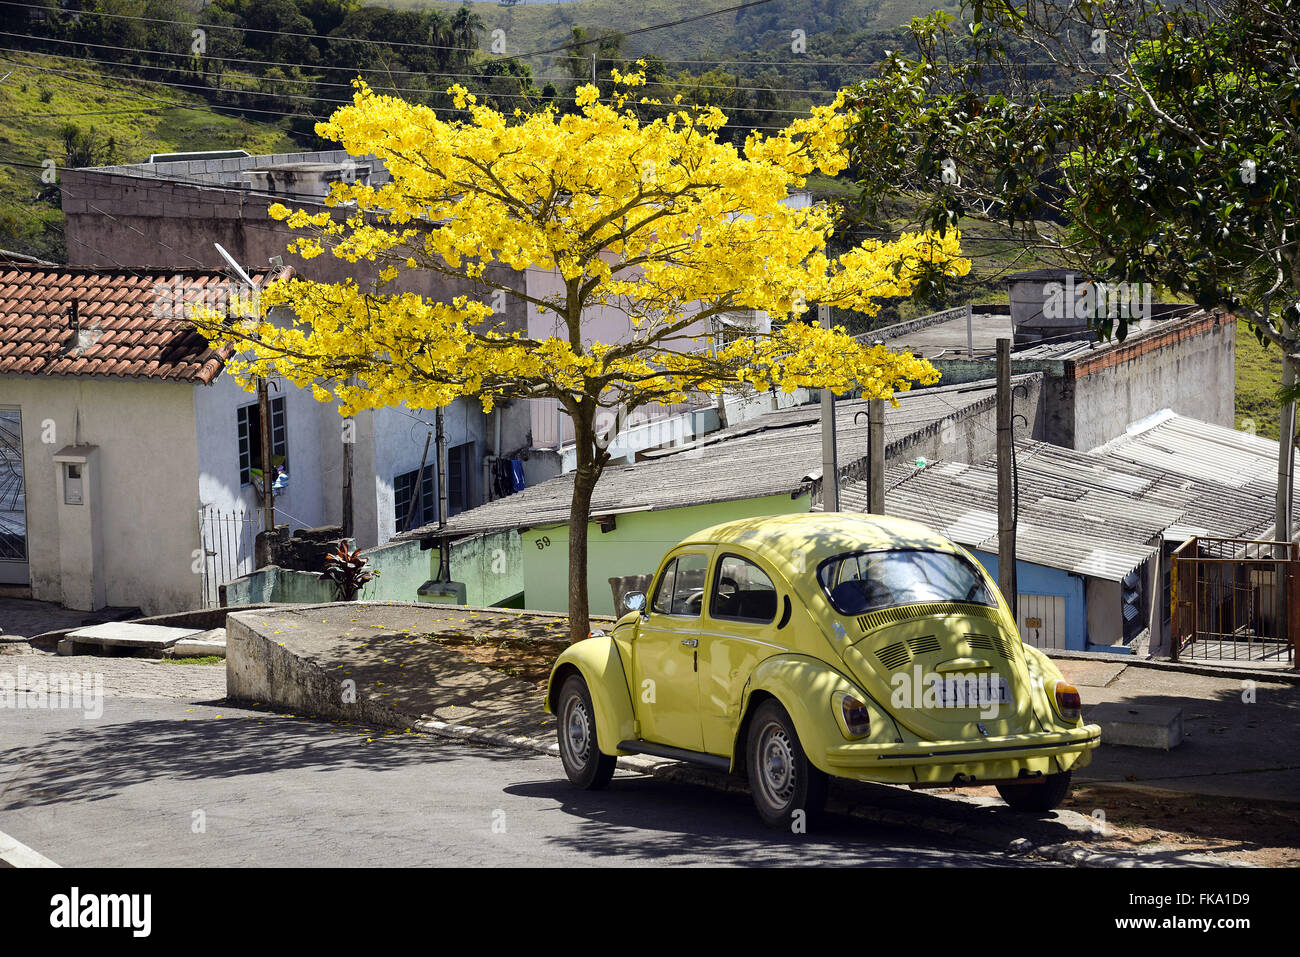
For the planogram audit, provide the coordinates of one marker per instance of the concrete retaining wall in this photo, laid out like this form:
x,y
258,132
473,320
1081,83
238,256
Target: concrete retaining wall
x,y
259,668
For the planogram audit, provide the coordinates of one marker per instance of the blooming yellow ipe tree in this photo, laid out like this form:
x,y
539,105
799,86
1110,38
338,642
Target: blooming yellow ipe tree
x,y
657,219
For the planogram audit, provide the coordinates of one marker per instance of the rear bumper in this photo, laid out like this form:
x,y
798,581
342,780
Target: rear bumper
x,y
1009,751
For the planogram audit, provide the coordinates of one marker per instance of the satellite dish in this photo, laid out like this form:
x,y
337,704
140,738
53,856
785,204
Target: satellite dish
x,y
239,270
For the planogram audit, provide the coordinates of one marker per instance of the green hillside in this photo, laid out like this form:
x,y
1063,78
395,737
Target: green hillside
x,y
139,118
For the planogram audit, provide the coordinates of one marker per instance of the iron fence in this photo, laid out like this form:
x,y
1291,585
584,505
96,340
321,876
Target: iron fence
x,y
1235,599
227,538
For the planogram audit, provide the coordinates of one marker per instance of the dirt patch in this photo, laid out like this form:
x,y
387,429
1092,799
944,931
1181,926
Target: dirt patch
x,y
1266,833
528,659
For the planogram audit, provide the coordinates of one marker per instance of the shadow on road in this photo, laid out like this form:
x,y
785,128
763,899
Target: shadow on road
x,y
644,820
94,761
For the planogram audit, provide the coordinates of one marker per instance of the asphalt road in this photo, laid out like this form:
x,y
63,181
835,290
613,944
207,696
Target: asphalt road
x,y
158,782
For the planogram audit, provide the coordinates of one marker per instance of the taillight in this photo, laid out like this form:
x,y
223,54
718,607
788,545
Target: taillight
x,y
856,716
1068,703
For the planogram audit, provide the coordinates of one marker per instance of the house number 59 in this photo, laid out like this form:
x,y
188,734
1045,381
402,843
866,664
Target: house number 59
x,y
543,542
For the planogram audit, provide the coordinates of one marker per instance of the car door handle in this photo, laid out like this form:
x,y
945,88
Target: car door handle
x,y
691,642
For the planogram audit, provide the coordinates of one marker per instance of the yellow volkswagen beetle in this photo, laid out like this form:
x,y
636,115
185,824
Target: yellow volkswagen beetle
x,y
796,647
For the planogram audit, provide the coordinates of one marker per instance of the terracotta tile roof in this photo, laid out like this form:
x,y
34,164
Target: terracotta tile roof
x,y
132,321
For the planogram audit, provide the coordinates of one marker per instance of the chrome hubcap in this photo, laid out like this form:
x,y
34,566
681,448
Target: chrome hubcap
x,y
577,730
776,765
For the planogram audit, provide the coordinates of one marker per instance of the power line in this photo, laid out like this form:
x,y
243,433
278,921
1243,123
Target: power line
x,y
657,26
199,107
375,69
218,26
292,96
142,109
386,43
279,63
806,62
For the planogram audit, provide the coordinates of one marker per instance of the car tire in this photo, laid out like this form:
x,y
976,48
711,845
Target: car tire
x,y
583,761
781,778
1036,797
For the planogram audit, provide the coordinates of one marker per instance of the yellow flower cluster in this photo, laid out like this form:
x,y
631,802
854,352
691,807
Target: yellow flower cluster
x,y
660,219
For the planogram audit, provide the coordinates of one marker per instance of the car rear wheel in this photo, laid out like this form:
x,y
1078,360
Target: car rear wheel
x,y
583,762
1036,796
787,788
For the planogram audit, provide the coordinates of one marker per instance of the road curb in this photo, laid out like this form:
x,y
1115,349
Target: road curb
x,y
1191,667
14,853
997,837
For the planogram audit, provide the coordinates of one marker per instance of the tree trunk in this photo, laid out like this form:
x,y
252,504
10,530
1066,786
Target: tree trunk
x,y
579,514
591,461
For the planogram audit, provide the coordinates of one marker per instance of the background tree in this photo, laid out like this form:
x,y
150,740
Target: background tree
x,y
1140,140
660,221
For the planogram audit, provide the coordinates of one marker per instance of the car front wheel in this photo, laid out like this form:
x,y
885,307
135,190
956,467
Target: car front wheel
x,y
787,788
583,762
1036,796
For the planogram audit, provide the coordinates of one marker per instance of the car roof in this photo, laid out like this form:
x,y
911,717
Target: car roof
x,y
821,535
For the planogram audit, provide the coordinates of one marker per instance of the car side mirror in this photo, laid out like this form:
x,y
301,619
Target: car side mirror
x,y
634,601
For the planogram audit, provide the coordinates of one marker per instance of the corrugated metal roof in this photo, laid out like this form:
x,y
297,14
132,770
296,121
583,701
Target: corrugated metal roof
x,y
1213,453
776,453
1099,513
1075,514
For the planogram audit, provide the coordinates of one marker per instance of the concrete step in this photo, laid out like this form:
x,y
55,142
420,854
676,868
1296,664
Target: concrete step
x,y
124,637
1137,726
211,642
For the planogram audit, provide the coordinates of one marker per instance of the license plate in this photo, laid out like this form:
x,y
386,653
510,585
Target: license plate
x,y
972,691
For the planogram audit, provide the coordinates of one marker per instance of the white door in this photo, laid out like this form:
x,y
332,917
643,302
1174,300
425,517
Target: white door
x,y
13,501
1042,620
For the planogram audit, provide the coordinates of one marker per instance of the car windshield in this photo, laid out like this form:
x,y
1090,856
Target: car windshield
x,y
859,582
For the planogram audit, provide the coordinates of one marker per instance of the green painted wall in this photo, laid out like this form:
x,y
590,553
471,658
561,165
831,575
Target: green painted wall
x,y
634,547
489,565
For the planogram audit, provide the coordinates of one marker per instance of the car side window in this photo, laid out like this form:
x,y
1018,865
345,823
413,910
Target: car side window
x,y
663,602
742,591
681,589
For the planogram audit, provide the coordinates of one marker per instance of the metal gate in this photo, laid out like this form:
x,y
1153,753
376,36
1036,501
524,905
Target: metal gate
x,y
228,540
1235,599
1042,620
13,501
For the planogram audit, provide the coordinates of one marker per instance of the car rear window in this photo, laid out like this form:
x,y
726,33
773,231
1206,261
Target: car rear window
x,y
858,582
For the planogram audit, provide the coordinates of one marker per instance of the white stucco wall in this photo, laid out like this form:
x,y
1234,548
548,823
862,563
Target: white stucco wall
x,y
148,486
399,436
216,423
388,443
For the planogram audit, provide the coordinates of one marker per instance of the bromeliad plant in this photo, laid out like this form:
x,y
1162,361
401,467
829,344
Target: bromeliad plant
x,y
657,221
348,571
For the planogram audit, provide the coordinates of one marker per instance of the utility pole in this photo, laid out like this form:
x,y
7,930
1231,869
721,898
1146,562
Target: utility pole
x,y
876,456
348,443
593,68
444,556
1285,460
830,460
1006,502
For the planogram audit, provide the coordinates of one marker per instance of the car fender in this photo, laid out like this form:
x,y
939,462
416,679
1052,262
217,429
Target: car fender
x,y
805,686
598,661
1043,676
